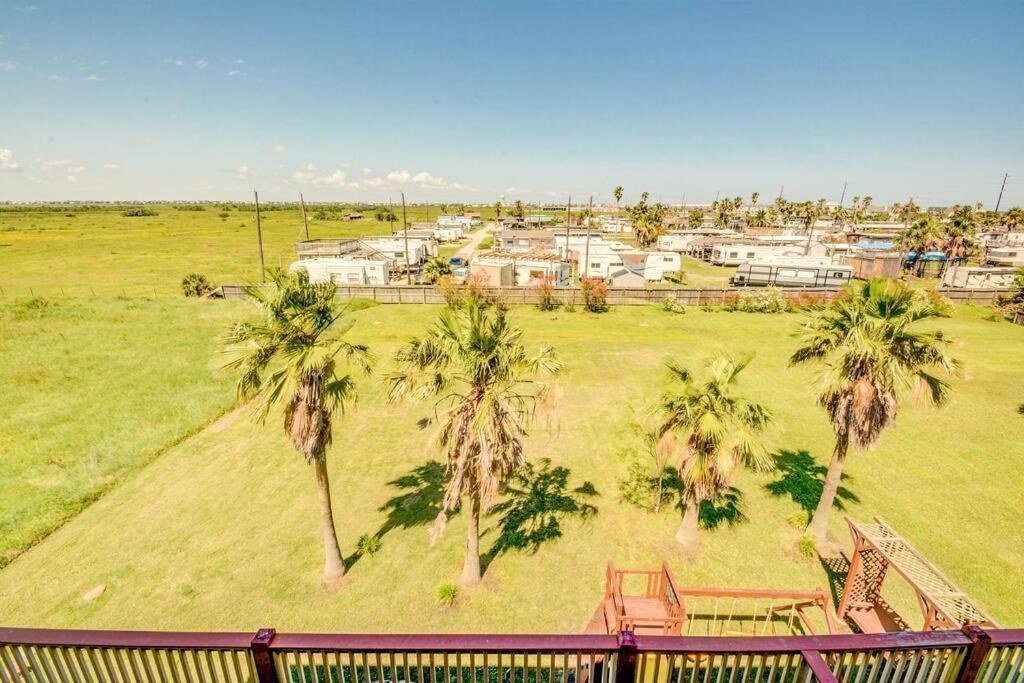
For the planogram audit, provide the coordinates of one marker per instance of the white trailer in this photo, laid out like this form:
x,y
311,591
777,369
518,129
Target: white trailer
x,y
978,277
792,272
733,254
345,271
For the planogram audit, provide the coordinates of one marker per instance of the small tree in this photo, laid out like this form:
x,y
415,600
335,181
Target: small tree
x,y
618,197
544,289
720,432
195,285
434,269
595,294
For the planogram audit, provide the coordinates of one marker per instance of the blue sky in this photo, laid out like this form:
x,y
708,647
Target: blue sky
x,y
528,100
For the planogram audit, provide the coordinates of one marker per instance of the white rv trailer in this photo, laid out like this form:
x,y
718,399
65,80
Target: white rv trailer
x,y
978,277
792,272
1005,256
733,254
342,270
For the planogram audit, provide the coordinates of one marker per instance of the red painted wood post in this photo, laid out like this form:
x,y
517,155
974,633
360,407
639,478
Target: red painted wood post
x,y
980,644
625,661
818,666
263,661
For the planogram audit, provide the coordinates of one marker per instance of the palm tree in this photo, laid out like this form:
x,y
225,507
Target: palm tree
x,y
435,268
920,236
292,358
754,196
720,432
958,241
1013,218
618,198
476,364
695,218
759,219
906,212
871,351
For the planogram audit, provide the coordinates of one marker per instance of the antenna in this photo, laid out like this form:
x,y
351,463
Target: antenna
x,y
843,198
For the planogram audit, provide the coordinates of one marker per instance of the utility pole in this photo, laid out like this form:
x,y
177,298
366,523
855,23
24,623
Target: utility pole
x,y
259,236
1001,190
586,251
568,217
843,198
781,188
405,226
305,222
717,194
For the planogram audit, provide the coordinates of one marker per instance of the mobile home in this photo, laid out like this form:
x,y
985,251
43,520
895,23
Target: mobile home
x,y
792,272
733,254
1005,256
346,270
978,277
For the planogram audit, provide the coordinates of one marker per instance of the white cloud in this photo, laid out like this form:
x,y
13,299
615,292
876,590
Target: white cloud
x,y
308,175
242,172
93,78
400,177
47,164
201,64
7,162
234,72
57,77
7,65
367,171
278,149
112,167
175,62
239,61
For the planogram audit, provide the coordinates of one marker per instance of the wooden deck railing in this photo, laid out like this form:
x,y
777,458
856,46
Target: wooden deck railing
x,y
969,656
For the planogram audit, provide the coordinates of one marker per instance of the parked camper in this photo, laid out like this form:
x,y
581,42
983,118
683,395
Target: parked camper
x,y
792,272
521,269
356,270
978,277
1005,256
733,254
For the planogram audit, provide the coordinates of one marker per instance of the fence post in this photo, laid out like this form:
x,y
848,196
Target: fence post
x,y
261,659
625,661
980,644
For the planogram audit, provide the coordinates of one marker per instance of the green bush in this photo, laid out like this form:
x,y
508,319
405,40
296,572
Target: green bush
x,y
799,520
195,285
139,212
672,304
767,300
191,207
368,545
807,548
223,215
595,294
447,594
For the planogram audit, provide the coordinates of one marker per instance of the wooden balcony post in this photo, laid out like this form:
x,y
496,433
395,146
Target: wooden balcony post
x,y
818,666
976,654
625,662
261,657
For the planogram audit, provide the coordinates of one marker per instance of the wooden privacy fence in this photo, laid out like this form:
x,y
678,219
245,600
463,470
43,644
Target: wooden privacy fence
x,y
968,656
427,294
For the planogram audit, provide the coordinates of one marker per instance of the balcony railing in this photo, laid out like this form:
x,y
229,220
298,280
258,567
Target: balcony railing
x,y
969,656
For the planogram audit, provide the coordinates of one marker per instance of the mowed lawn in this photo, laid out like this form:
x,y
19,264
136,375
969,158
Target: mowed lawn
x,y
221,530
86,251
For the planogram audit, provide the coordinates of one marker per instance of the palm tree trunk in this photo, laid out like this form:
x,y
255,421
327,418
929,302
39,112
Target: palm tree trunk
x,y
471,567
818,528
334,566
688,534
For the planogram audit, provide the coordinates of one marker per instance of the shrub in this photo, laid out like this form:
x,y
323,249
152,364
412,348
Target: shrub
x,y
799,520
195,285
36,307
139,212
767,300
434,269
640,487
544,289
595,294
447,594
368,545
486,243
191,207
807,548
672,304
223,215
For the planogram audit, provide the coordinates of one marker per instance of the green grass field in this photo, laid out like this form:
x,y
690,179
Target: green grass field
x,y
86,251
219,529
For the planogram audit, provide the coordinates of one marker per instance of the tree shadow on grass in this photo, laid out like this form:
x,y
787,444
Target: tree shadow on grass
x,y
803,480
417,504
725,508
537,501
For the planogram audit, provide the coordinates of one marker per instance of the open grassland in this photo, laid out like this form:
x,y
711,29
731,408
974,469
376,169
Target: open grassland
x,y
221,531
92,391
86,251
